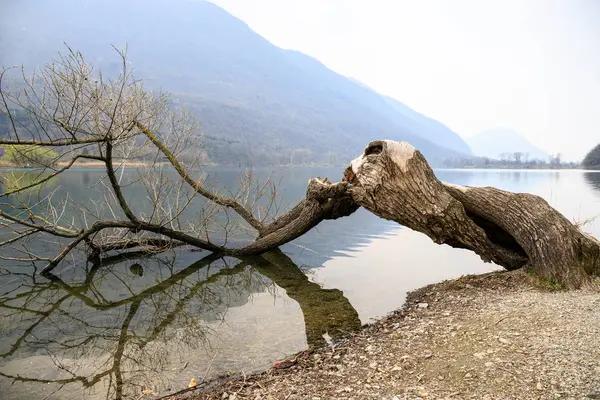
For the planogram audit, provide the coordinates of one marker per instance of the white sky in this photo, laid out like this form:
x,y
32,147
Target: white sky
x,y
531,65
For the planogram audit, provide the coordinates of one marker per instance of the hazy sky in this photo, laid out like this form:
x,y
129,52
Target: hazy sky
x,y
532,65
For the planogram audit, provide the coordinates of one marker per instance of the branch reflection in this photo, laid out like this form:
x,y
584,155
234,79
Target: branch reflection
x,y
115,326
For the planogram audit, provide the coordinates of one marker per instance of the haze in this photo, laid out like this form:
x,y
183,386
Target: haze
x,y
533,66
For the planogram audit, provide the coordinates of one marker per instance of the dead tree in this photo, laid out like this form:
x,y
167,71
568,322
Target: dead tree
x,y
513,230
83,116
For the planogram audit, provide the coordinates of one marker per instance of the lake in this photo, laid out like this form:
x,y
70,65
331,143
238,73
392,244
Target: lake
x,y
154,322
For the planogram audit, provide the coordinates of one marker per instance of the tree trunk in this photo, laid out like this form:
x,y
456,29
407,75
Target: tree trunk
x,y
514,230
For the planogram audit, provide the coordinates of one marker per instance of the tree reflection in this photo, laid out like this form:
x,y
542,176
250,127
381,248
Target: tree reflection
x,y
16,179
324,310
593,179
116,327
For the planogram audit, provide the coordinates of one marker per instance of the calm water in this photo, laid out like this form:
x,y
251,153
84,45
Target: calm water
x,y
155,322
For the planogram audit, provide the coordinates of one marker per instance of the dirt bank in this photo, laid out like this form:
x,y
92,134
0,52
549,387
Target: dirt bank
x,y
495,336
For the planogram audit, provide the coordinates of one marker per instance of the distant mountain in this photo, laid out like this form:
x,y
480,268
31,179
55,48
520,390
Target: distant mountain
x,y
430,129
493,142
592,159
257,103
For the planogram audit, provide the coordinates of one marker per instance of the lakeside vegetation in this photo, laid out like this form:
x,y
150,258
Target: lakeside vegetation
x,y
28,156
516,160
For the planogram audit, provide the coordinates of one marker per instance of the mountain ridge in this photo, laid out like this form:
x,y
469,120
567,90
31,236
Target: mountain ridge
x,y
257,103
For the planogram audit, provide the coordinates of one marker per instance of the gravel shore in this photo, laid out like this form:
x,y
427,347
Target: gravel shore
x,y
494,336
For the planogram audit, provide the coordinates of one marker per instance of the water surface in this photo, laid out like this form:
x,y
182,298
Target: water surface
x,y
128,324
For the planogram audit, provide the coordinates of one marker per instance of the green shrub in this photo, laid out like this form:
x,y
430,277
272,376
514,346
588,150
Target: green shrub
x,y
29,156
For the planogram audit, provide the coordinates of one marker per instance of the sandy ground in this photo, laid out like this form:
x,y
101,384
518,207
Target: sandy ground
x,y
494,336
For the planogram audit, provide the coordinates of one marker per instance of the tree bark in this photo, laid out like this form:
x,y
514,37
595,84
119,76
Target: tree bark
x,y
513,230
324,200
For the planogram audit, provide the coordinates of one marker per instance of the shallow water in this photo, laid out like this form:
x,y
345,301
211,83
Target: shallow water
x,y
153,323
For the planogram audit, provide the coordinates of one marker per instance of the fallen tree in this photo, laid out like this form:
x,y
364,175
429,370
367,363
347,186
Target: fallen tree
x,y
513,230
84,117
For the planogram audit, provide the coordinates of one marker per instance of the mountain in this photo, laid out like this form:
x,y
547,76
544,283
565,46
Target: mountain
x,y
257,103
592,159
493,142
429,128
421,125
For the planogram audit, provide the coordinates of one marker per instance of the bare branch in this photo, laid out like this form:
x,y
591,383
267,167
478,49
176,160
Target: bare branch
x,y
227,202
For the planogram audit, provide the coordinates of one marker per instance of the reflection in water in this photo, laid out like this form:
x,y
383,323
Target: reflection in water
x,y
593,179
17,179
324,310
114,329
153,321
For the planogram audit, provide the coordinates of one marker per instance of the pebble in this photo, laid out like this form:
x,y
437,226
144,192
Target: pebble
x,y
423,305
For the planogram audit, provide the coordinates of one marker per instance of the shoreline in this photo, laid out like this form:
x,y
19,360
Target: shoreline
x,y
500,335
92,164
136,164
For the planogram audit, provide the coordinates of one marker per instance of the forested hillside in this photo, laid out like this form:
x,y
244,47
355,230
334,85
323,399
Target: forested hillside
x,y
257,103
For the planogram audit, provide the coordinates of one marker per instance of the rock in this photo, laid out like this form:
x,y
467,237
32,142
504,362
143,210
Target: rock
x,y
489,364
423,305
396,368
468,375
504,341
373,364
479,356
539,386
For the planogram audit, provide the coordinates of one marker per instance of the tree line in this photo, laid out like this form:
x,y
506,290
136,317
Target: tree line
x,y
511,160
